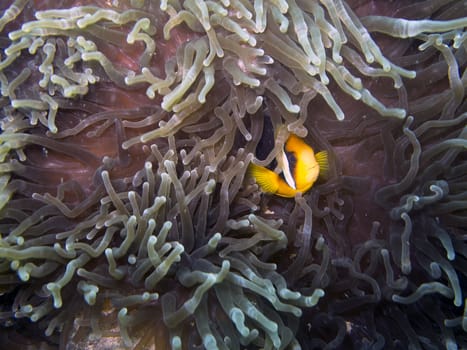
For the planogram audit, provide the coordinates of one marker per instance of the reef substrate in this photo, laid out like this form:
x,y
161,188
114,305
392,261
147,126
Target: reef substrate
x,y
126,216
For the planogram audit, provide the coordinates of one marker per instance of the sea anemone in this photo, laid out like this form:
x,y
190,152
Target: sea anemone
x,y
127,218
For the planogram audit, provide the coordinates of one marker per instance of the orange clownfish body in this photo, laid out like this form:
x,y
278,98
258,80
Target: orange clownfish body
x,y
300,167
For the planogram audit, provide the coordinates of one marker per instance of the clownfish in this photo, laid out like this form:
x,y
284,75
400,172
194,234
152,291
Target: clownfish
x,y
300,167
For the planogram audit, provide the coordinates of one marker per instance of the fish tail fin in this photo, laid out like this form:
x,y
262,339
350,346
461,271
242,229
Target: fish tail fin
x,y
267,179
322,160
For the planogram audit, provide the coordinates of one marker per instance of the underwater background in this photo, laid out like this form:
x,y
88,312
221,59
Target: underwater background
x,y
127,218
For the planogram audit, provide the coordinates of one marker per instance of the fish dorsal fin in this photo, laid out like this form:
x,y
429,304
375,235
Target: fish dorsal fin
x,y
285,167
267,179
322,160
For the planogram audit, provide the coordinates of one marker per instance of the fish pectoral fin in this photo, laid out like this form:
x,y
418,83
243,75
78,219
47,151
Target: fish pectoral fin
x,y
322,160
267,179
